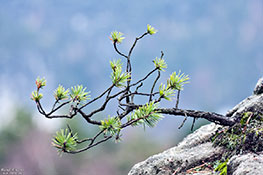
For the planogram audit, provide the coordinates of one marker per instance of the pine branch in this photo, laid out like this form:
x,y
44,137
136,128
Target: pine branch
x,y
210,116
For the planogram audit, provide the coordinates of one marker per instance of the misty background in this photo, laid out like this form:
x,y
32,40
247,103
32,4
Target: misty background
x,y
217,43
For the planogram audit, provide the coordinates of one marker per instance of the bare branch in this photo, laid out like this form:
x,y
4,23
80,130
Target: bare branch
x,y
185,118
138,38
78,141
129,67
54,105
210,116
117,50
193,124
144,78
95,99
60,116
39,108
92,144
154,83
88,118
103,106
57,108
177,99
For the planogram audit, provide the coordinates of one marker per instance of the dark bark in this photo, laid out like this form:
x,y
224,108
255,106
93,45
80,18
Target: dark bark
x,y
210,116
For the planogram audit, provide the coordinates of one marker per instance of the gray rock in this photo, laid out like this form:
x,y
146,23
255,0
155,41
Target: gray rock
x,y
197,147
259,87
249,164
194,149
253,103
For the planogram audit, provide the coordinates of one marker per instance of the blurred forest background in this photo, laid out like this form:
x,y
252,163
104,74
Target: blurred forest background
x,y
218,43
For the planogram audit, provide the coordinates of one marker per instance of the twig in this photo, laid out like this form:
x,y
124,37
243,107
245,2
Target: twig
x,y
105,103
54,105
205,165
61,116
116,49
177,171
129,68
154,83
78,141
138,38
57,108
185,118
90,146
121,107
144,78
40,109
101,95
136,90
193,124
177,99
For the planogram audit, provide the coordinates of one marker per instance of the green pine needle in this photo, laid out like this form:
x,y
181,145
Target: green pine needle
x,y
160,64
64,141
111,125
40,82
116,37
166,92
36,96
177,80
151,30
118,77
146,115
60,93
79,94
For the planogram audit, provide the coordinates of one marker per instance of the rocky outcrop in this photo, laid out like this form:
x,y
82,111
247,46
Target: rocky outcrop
x,y
249,164
197,148
194,149
253,103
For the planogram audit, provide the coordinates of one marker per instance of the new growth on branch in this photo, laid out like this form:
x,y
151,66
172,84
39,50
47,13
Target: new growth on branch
x,y
128,112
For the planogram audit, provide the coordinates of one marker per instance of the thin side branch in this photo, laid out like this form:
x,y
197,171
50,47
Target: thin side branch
x,y
185,118
117,50
90,145
108,98
154,83
144,78
134,44
95,99
177,99
129,66
57,108
78,141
